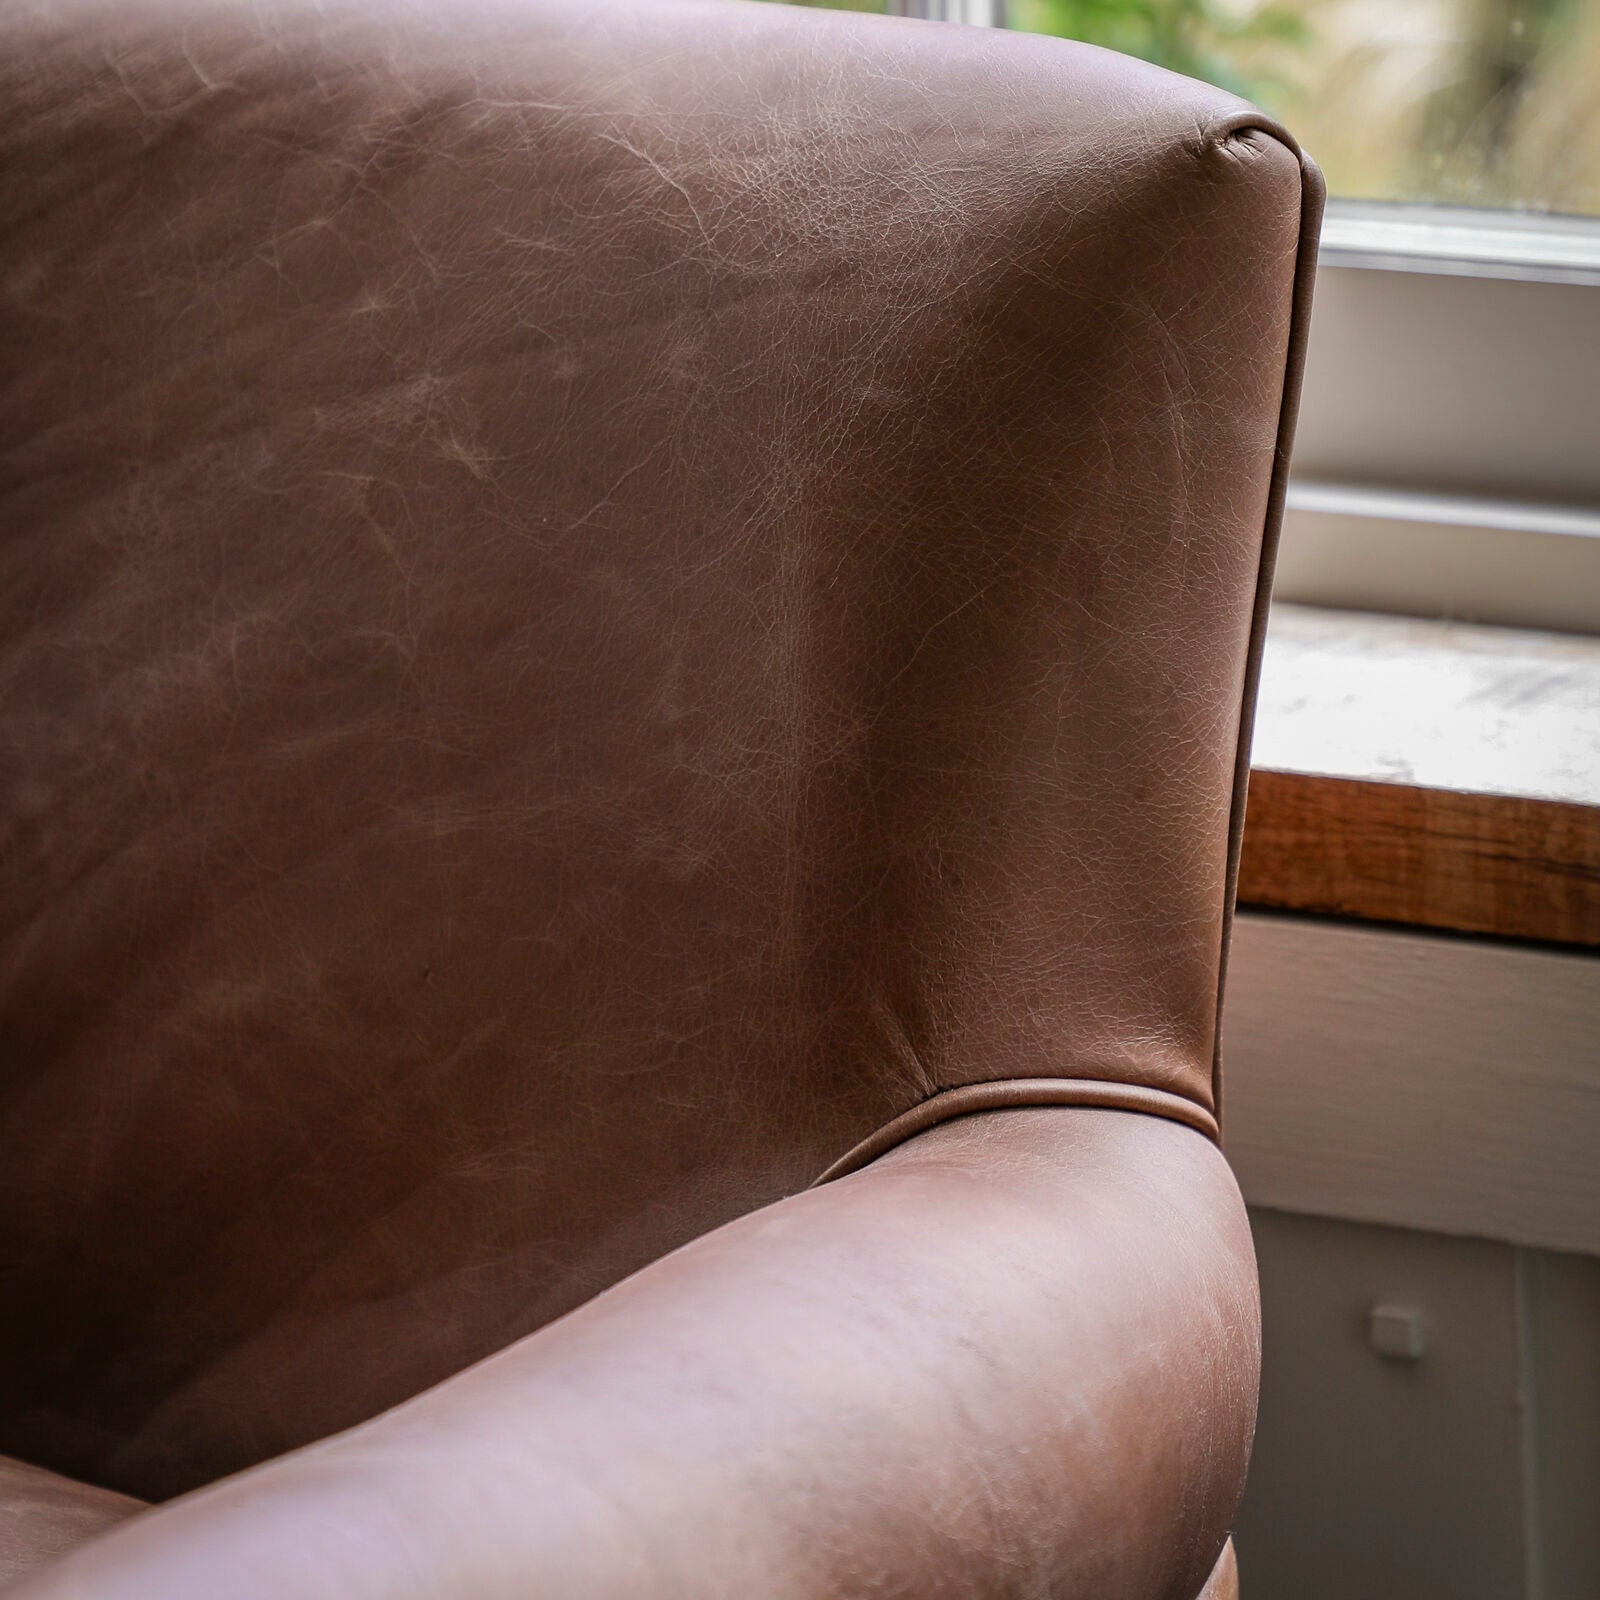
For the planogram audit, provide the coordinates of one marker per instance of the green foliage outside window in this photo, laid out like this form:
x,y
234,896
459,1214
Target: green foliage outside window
x,y
1468,102
1209,39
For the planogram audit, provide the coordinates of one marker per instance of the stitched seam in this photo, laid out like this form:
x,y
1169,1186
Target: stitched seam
x,y
1019,1094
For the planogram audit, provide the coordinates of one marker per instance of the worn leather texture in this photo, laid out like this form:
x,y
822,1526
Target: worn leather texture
x,y
597,602
1223,1584
1016,1356
43,1516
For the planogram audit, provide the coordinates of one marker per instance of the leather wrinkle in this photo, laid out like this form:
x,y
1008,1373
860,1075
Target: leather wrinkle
x,y
586,624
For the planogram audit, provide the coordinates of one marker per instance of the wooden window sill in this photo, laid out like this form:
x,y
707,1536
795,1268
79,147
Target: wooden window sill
x,y
1430,773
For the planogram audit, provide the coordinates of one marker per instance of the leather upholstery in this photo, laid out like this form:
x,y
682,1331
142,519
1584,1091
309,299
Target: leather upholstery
x,y
1015,1356
597,602
42,1516
1223,1584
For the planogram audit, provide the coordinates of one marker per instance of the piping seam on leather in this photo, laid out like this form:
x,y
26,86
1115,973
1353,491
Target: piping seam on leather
x,y
970,1099
1312,195
1018,1094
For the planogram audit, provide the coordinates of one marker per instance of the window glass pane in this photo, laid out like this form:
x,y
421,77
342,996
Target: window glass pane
x,y
1466,102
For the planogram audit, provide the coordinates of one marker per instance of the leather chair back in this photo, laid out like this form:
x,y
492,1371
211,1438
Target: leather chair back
x,y
597,601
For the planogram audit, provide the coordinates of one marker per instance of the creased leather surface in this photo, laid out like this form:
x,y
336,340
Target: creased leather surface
x,y
43,1516
595,601
1223,1584
1014,1358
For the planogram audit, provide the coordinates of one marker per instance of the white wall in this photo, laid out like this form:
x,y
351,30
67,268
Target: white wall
x,y
1472,1473
1416,1122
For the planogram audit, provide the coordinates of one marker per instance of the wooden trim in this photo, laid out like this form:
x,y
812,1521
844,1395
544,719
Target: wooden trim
x,y
1440,774
1479,863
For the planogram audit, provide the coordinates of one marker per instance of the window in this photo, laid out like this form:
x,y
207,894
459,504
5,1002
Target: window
x,y
1448,459
1465,102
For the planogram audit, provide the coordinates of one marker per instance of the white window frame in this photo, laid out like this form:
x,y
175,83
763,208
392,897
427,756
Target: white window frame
x,y
980,13
1447,461
1448,456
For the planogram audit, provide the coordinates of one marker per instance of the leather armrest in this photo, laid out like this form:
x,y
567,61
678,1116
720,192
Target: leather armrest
x,y
43,1515
1016,1355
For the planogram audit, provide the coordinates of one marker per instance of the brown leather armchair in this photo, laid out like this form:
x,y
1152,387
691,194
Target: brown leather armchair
x,y
626,633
